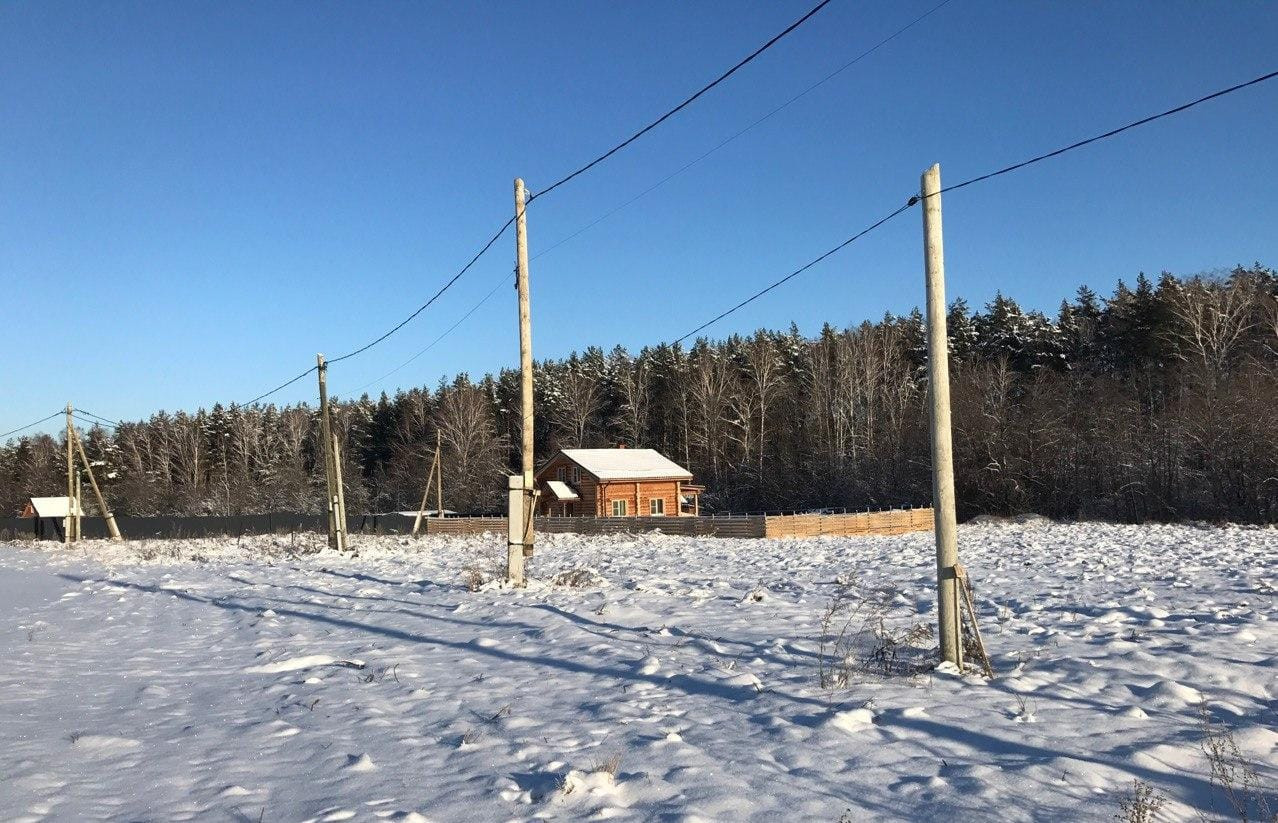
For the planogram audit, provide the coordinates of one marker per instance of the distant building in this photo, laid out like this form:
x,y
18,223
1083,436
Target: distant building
x,y
616,483
48,514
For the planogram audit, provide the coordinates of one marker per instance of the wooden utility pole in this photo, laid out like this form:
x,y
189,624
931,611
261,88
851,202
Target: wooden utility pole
x,y
79,505
97,492
341,495
67,524
336,536
439,474
521,524
433,479
938,371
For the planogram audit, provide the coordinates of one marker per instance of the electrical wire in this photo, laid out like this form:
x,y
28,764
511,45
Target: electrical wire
x,y
36,423
434,297
800,270
280,387
758,122
501,282
1005,170
106,420
773,41
1271,75
672,112
91,423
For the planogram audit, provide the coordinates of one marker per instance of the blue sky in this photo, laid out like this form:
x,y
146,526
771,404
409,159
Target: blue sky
x,y
195,198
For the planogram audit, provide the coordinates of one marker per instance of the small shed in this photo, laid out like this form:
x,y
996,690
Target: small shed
x,y
49,514
617,482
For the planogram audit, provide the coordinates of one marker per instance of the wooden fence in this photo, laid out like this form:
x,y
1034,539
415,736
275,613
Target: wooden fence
x,y
892,521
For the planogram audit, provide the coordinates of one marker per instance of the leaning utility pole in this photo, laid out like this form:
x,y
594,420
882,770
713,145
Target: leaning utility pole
x,y
520,531
432,479
336,533
938,371
439,473
67,524
97,492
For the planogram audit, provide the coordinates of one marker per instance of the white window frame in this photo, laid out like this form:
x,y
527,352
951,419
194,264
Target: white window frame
x,y
619,504
656,506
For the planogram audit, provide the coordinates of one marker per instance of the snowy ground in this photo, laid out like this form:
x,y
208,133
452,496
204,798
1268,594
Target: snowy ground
x,y
240,681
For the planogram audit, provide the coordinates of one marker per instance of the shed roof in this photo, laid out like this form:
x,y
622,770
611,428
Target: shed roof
x,y
562,491
627,464
51,506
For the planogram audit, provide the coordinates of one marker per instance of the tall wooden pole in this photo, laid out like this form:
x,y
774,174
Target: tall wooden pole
x,y
339,509
326,438
938,371
421,510
79,505
516,554
97,492
439,474
67,525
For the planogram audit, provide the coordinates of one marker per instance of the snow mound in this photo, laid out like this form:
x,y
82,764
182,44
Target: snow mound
x,y
308,661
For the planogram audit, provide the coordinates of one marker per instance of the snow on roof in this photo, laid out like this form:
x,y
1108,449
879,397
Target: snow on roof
x,y
561,490
627,464
51,506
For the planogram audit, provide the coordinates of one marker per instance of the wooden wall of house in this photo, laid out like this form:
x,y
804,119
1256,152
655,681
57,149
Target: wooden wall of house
x,y
638,496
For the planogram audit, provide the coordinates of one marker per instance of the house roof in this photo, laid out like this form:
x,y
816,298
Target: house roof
x,y
562,491
51,506
627,464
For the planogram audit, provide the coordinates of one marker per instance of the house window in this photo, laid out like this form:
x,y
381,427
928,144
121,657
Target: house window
x,y
561,474
657,505
576,474
618,508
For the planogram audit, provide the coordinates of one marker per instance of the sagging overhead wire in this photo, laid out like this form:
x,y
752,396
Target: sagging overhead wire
x,y
672,112
1271,75
981,178
35,423
849,64
90,422
771,42
108,421
800,270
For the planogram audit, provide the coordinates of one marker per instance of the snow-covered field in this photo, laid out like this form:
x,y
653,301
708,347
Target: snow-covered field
x,y
242,681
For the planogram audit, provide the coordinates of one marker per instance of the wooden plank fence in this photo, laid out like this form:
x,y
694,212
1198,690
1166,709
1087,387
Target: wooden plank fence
x,y
892,521
889,522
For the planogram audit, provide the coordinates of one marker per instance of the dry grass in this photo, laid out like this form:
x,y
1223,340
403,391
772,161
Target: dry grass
x,y
1141,805
1233,777
863,632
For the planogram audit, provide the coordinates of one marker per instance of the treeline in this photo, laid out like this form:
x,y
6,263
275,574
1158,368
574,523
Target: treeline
x,y
1158,402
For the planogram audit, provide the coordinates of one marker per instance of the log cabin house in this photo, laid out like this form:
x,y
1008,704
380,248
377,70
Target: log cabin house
x,y
617,482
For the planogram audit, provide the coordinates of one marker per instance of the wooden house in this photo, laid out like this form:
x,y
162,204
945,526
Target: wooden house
x,y
616,483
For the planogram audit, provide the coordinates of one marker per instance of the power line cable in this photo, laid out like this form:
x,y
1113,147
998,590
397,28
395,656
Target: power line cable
x,y
1005,170
90,422
106,420
800,270
433,298
1271,75
672,112
553,186
757,122
280,387
36,423
433,343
